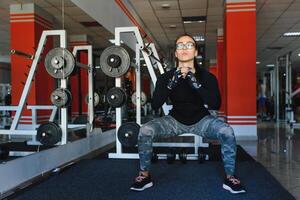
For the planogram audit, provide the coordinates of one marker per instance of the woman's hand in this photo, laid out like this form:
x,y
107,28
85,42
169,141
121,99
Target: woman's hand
x,y
185,68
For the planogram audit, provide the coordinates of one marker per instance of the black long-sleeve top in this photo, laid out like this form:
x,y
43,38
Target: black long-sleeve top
x,y
188,103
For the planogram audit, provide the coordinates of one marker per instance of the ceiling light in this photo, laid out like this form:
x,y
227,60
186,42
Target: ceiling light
x,y
165,5
193,19
199,38
298,54
270,65
257,62
172,26
291,34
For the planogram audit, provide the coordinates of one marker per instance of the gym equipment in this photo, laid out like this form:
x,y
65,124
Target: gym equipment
x,y
21,53
116,97
154,157
61,97
49,133
171,156
65,60
81,119
143,98
183,156
68,151
201,158
59,63
128,134
96,99
4,152
114,61
90,71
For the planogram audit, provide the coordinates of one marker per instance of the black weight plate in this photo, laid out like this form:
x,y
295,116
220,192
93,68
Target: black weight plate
x,y
128,134
4,152
116,97
49,133
183,157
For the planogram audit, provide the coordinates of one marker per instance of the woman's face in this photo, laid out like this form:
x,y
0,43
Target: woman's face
x,y
185,49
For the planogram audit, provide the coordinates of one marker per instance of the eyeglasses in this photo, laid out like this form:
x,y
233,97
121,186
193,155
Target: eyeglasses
x,y
188,45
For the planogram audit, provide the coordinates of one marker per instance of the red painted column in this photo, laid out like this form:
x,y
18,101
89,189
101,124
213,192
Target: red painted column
x,y
221,71
240,48
27,22
79,82
214,70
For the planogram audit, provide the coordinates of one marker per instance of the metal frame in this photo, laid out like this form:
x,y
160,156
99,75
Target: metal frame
x,y
155,54
5,89
140,48
290,115
276,77
39,163
16,129
90,71
288,88
14,126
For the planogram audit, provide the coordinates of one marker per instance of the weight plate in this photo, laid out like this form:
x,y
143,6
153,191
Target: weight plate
x,y
61,97
96,99
116,97
128,134
114,61
59,63
49,133
143,98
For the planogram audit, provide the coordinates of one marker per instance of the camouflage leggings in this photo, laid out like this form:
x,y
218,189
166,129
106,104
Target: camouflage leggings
x,y
209,127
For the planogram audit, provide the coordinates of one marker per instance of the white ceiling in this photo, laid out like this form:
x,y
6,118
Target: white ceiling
x,y
158,20
68,18
274,17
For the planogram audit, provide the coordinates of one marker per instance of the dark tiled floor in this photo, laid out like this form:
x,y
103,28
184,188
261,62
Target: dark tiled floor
x,y
278,149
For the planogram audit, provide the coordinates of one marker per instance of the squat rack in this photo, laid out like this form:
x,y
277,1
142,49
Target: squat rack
x,y
141,49
63,117
21,170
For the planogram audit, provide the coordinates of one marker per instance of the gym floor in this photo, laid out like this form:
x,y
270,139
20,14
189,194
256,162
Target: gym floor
x,y
278,150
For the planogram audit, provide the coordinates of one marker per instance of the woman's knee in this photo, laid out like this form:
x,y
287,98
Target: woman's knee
x,y
146,131
227,133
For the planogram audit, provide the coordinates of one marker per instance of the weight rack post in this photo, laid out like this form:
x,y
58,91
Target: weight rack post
x,y
90,69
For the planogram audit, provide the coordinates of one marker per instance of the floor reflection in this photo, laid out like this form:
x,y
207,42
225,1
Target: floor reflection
x,y
278,149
